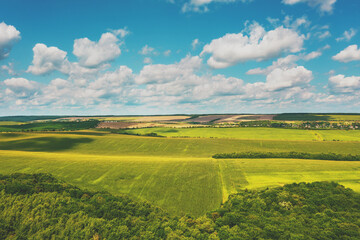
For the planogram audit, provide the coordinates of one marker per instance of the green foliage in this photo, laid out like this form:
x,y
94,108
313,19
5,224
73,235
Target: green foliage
x,y
292,155
122,131
50,126
319,210
39,206
28,118
317,116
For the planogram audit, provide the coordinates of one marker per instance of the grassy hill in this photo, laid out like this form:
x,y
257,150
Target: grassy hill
x,y
41,207
177,174
249,133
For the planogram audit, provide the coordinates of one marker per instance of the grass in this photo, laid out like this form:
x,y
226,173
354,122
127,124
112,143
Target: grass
x,y
10,123
177,174
254,133
98,143
180,185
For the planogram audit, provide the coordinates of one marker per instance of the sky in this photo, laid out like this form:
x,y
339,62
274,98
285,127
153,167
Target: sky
x,y
143,57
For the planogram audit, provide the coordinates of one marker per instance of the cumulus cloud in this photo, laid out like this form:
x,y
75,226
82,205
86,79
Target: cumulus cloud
x,y
113,79
46,59
166,73
259,45
347,35
286,62
20,87
280,79
323,5
351,53
341,84
93,54
9,35
218,85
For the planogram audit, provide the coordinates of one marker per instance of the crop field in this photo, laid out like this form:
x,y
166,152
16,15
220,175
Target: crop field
x,y
177,174
254,133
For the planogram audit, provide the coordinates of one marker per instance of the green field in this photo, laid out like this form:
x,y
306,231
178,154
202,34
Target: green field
x,y
177,174
253,133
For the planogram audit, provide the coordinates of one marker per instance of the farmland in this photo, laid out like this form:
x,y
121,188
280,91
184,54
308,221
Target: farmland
x,y
254,133
178,173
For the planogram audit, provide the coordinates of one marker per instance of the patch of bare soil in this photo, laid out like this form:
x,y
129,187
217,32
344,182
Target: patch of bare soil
x,y
116,125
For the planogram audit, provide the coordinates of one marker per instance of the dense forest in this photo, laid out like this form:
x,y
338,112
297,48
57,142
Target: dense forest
x,y
292,155
39,206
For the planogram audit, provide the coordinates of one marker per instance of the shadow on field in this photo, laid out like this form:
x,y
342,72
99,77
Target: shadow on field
x,y
83,133
44,144
10,135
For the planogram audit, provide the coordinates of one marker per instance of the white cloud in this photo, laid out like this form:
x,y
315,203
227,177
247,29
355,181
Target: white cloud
x,y
167,53
122,32
202,5
289,23
194,43
218,85
285,63
9,69
351,53
146,50
46,59
347,35
20,87
324,5
312,55
9,35
147,60
341,84
166,73
259,45
280,79
93,54
324,35
111,80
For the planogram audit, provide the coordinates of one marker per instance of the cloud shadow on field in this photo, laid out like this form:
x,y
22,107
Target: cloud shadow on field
x,y
44,144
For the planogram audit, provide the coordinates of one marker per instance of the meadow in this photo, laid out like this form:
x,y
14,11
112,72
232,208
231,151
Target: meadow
x,y
177,174
247,133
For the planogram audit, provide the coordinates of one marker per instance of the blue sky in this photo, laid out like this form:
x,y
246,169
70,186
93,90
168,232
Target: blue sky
x,y
179,56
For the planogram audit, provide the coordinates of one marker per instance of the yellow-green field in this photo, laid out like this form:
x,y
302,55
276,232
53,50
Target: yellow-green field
x,y
254,133
177,174
2,123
